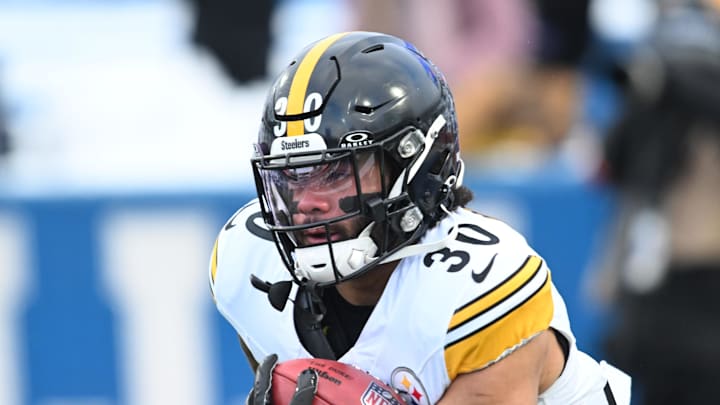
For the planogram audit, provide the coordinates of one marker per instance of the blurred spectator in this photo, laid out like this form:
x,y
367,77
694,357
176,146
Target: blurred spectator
x,y
664,158
512,64
466,37
236,33
4,135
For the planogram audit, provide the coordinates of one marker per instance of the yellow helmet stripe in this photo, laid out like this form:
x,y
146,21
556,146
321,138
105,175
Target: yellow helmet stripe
x,y
299,85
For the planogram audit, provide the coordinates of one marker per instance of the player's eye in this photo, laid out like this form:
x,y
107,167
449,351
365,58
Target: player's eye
x,y
340,173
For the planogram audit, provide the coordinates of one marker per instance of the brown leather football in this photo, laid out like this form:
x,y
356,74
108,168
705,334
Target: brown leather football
x,y
337,384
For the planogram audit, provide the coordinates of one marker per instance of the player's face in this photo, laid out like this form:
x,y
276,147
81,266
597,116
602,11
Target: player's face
x,y
321,202
331,191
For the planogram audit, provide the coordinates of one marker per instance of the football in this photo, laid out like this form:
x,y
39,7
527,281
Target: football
x,y
337,384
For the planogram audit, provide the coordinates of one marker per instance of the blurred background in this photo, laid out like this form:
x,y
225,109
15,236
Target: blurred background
x,y
125,132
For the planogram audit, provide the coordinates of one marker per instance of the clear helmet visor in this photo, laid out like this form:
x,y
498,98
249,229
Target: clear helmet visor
x,y
319,202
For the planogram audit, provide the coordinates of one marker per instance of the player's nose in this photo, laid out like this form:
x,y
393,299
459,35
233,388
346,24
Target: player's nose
x,y
310,201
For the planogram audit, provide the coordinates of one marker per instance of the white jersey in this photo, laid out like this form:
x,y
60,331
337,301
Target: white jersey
x,y
444,313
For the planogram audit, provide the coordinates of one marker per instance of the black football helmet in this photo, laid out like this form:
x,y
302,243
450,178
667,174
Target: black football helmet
x,y
357,155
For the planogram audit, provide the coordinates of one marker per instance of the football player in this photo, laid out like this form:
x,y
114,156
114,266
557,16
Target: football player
x,y
360,243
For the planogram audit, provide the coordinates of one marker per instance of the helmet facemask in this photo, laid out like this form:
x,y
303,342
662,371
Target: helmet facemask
x,y
319,207
336,213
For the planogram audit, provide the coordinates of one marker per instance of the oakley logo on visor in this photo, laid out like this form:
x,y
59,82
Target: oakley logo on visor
x,y
356,139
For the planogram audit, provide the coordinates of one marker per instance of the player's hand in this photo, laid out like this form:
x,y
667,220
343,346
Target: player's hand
x,y
261,393
261,390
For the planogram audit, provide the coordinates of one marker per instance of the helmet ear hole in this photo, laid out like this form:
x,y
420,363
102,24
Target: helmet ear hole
x,y
390,170
434,188
440,163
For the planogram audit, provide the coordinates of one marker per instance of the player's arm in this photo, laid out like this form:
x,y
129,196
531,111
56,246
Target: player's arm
x,y
516,379
499,346
251,360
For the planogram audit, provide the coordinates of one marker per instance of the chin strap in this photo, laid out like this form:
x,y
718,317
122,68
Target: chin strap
x,y
316,262
420,248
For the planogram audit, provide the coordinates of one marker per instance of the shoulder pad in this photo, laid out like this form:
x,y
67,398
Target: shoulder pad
x,y
245,235
509,302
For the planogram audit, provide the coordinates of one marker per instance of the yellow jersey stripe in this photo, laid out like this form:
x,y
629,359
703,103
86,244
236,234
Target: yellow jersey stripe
x,y
213,261
498,294
299,85
492,342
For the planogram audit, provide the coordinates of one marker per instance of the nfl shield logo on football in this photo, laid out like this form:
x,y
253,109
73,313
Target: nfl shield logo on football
x,y
375,394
